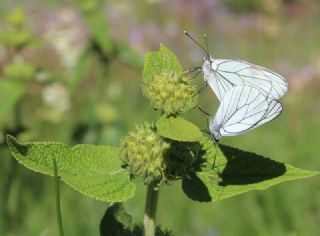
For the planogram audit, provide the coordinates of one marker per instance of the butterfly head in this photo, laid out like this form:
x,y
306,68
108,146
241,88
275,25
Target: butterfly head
x,y
215,130
207,65
215,136
207,57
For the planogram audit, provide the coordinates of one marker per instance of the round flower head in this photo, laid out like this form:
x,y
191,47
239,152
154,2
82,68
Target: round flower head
x,y
143,150
171,94
180,159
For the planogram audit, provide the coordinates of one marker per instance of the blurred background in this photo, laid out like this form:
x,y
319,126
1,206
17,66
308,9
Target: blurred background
x,y
71,71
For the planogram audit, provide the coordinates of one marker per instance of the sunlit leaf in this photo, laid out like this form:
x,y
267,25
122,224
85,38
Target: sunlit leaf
x,y
178,129
229,171
162,61
93,170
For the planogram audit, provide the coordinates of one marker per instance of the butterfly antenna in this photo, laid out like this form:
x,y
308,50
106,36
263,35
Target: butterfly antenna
x,y
206,40
203,48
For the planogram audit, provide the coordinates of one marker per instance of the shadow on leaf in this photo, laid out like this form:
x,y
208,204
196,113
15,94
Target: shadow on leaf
x,y
195,189
115,222
247,168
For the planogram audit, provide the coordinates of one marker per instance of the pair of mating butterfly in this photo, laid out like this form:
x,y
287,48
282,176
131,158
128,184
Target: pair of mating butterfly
x,y
248,94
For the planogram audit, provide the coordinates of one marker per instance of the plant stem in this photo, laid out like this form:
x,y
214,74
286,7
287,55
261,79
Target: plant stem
x,y
58,198
150,211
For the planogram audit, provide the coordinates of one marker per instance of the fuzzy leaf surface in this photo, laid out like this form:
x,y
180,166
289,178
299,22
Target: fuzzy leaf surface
x,y
179,129
162,61
92,170
228,171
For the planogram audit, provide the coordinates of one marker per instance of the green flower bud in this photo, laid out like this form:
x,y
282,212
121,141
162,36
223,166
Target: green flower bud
x,y
171,94
18,38
181,158
19,71
16,18
106,113
143,150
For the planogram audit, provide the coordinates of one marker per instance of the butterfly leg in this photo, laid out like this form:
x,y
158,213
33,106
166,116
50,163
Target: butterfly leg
x,y
193,69
208,114
195,76
202,87
204,112
205,131
215,157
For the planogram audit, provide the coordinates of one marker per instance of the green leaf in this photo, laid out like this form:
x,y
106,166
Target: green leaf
x,y
162,61
229,171
115,222
178,129
19,71
93,170
10,93
99,30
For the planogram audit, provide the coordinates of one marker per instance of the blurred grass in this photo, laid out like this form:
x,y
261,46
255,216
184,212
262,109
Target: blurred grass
x,y
287,209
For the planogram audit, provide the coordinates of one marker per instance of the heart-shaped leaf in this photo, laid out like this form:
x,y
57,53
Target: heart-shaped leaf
x,y
93,170
229,171
162,61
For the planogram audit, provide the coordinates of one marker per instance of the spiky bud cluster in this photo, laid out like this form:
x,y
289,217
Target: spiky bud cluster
x,y
170,93
143,151
181,158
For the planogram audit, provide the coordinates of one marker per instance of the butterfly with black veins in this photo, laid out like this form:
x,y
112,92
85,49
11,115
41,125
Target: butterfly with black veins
x,y
242,109
223,74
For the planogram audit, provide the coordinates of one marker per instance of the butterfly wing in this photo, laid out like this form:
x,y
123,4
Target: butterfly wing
x,y
274,110
236,72
218,84
241,109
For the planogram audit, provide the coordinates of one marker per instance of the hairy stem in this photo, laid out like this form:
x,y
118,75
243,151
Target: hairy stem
x,y
150,211
57,190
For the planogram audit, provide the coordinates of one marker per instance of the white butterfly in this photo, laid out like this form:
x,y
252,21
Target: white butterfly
x,y
223,74
242,109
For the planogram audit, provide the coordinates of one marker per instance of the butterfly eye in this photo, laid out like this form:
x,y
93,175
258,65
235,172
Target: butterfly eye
x,y
207,58
215,139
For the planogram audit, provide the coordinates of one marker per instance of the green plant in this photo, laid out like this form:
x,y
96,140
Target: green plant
x,y
171,149
35,97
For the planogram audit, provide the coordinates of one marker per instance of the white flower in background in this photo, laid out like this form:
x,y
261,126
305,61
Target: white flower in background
x,y
56,96
42,76
67,35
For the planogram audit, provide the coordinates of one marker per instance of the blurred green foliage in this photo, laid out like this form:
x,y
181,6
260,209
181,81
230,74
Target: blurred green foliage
x,y
244,5
98,98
